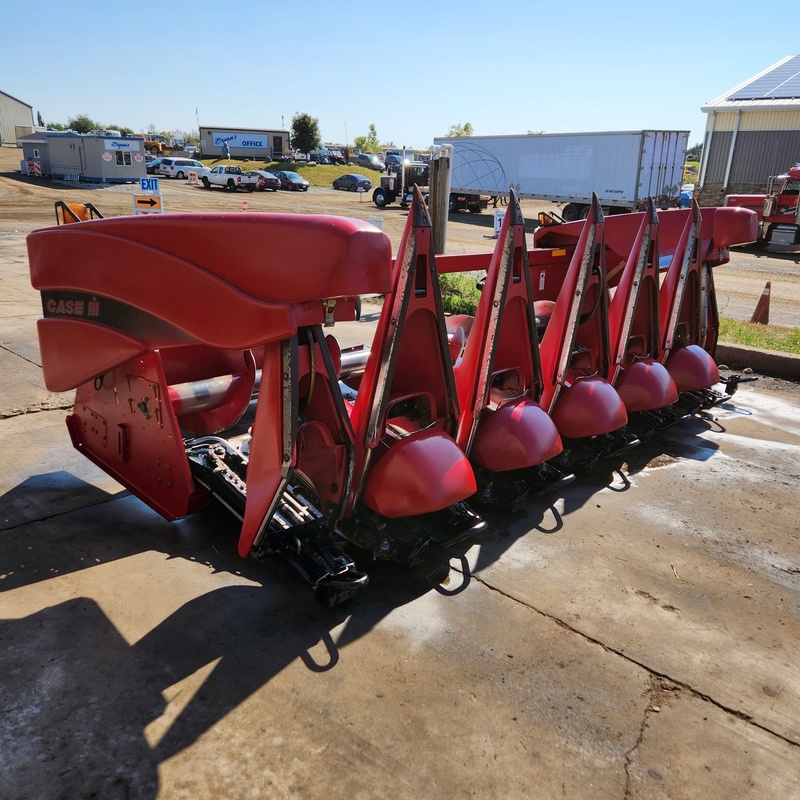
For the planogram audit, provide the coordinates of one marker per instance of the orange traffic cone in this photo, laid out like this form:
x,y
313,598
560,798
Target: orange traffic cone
x,y
244,205
761,314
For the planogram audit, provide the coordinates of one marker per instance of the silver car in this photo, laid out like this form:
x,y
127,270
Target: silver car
x,y
181,167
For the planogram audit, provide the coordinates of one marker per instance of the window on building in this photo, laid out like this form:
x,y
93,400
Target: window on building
x,y
124,158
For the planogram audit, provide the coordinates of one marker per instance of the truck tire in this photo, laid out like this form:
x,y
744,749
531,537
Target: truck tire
x,y
230,185
206,182
250,187
379,197
571,212
452,205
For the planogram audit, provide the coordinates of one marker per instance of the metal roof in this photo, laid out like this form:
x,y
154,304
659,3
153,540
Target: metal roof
x,y
21,102
776,88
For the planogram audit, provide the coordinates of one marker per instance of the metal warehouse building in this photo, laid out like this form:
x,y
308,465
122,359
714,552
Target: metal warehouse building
x,y
752,132
258,144
90,157
16,119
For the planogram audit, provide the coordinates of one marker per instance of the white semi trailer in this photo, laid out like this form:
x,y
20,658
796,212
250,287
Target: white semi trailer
x,y
623,168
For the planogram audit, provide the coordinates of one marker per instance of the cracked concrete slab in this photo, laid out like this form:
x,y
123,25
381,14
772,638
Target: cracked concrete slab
x,y
685,564
673,759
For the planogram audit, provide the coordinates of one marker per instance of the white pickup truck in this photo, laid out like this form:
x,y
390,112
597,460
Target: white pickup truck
x,y
230,177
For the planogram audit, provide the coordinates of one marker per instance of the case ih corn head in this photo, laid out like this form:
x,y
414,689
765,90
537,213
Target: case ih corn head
x,y
197,349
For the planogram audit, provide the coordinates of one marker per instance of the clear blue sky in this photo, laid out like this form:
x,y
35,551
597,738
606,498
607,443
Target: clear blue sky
x,y
413,68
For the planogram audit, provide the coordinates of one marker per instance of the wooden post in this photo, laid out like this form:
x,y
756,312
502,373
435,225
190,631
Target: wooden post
x,y
439,194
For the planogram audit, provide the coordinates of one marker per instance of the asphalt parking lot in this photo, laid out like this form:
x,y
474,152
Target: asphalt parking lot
x,y
634,635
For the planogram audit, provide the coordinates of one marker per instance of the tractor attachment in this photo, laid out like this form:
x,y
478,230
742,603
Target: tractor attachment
x,y
678,327
196,345
410,479
192,344
572,307
502,428
690,323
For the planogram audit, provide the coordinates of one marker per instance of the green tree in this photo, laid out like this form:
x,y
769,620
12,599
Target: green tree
x,y
369,143
373,144
460,130
305,133
55,126
83,123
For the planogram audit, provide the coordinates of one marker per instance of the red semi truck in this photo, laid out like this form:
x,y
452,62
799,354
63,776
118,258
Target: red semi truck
x,y
778,210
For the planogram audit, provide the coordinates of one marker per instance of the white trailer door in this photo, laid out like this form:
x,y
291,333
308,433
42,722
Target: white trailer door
x,y
663,155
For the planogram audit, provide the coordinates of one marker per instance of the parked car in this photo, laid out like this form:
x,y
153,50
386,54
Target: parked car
x,y
191,150
153,165
370,161
181,167
352,182
230,177
292,181
394,160
266,180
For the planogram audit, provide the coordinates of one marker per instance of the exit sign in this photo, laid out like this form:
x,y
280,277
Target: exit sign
x,y
149,185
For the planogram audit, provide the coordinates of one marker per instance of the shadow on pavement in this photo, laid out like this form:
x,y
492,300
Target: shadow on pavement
x,y
86,714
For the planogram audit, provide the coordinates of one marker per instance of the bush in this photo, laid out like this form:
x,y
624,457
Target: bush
x,y
460,294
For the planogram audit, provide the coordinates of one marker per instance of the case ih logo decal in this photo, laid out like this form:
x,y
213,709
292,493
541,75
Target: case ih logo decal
x,y
62,304
108,312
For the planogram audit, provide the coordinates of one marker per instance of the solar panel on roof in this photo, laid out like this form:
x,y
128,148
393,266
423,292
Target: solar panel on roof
x,y
781,83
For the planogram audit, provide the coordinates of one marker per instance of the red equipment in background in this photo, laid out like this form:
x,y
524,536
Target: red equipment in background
x,y
778,210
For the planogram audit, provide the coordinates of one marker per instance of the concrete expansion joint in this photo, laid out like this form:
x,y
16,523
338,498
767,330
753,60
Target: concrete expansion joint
x,y
21,357
665,682
36,409
11,529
